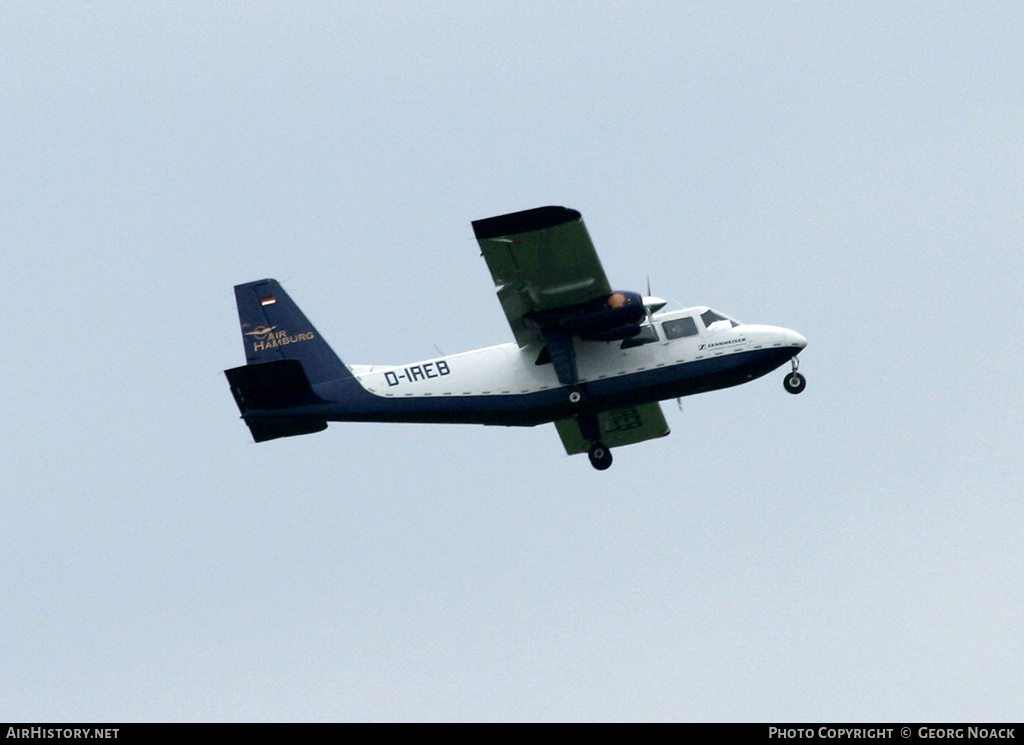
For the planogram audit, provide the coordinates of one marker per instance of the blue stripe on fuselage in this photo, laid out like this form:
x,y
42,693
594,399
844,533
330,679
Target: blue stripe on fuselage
x,y
348,401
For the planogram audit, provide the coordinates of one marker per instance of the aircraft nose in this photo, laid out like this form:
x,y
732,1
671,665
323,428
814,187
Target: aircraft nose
x,y
793,339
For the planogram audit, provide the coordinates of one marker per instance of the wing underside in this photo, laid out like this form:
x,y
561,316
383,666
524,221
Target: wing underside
x,y
540,259
619,427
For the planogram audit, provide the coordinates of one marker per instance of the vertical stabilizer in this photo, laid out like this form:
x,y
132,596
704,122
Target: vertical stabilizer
x,y
273,329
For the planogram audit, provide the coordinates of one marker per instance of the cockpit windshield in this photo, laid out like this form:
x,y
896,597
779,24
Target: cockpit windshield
x,y
714,321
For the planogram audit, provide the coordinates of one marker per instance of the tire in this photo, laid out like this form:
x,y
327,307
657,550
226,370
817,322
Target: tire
x,y
600,457
795,383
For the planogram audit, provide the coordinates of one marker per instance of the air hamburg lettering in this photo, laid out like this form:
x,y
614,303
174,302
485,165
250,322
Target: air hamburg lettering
x,y
270,339
417,372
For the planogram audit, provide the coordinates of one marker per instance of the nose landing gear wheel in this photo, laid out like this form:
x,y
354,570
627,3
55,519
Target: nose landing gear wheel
x,y
795,383
600,456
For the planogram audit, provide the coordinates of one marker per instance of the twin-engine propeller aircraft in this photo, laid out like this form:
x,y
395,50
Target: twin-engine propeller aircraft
x,y
593,361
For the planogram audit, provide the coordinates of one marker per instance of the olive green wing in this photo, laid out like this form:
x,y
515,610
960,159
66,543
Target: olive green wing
x,y
618,427
540,259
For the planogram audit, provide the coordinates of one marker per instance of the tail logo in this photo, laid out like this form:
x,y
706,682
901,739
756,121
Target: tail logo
x,y
268,337
260,332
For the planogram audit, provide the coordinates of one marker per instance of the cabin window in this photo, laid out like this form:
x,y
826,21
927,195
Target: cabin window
x,y
677,328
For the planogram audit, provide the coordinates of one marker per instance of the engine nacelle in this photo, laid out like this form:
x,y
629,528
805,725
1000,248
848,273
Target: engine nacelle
x,y
616,333
610,318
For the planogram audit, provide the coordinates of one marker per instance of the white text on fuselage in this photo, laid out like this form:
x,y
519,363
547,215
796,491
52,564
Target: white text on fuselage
x,y
279,339
417,372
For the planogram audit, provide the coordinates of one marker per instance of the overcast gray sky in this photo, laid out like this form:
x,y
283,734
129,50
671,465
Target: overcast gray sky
x,y
849,170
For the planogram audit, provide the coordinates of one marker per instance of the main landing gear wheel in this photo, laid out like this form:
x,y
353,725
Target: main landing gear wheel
x,y
600,456
795,383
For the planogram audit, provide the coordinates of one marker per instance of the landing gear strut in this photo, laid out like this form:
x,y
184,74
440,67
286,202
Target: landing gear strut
x,y
795,382
590,429
600,456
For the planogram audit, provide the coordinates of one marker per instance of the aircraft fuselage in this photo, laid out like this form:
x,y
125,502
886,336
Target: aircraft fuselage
x,y
505,385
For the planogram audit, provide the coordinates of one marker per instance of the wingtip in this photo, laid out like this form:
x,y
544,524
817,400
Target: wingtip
x,y
526,221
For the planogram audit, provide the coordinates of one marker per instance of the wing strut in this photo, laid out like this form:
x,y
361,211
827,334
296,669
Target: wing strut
x,y
563,355
590,426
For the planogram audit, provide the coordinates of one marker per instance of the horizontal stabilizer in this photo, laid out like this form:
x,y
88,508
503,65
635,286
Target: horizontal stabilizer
x,y
271,385
271,428
618,427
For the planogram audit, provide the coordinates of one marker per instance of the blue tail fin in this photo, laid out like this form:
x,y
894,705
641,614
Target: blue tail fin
x,y
273,328
285,357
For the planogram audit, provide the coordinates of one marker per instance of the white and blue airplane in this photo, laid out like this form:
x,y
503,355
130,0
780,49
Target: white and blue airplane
x,y
593,361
